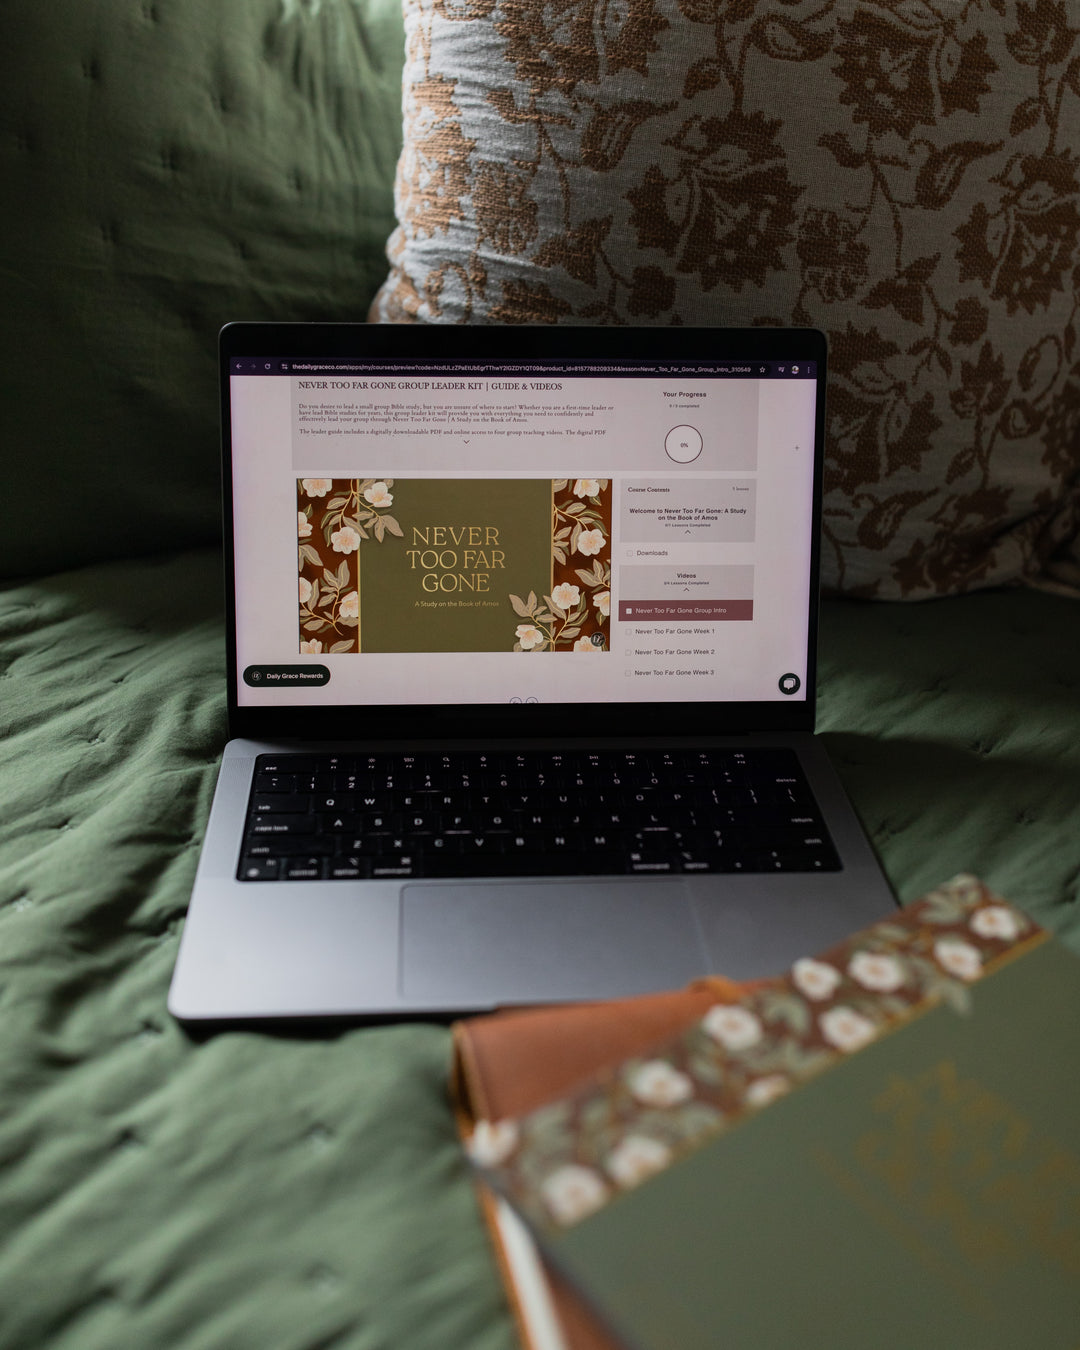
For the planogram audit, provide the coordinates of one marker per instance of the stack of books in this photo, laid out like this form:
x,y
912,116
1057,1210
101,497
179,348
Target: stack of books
x,y
881,1147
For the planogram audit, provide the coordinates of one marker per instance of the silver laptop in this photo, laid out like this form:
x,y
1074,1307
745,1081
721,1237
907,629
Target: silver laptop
x,y
521,655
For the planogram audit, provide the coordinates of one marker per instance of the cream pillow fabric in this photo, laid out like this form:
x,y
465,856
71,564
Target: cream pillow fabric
x,y
903,175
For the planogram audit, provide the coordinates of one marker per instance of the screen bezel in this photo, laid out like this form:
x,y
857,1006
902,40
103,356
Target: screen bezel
x,y
516,722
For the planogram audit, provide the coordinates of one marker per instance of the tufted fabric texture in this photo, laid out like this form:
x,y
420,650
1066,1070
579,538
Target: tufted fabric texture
x,y
902,175
169,166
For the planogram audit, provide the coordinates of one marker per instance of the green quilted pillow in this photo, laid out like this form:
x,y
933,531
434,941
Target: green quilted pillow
x,y
169,166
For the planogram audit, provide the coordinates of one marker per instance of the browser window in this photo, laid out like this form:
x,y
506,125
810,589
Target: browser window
x,y
411,532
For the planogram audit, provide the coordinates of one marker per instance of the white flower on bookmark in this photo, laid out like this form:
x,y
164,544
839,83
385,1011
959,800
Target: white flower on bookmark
x,y
996,921
815,979
572,1192
657,1083
846,1029
735,1028
762,1091
637,1157
492,1142
958,957
876,971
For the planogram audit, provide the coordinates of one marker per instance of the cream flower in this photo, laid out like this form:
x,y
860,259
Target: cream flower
x,y
311,648
873,971
566,596
303,525
958,957
657,1083
584,644
762,1091
317,487
305,590
734,1028
636,1158
590,542
602,601
996,921
350,606
378,494
846,1029
528,636
345,540
572,1192
492,1142
815,979
586,487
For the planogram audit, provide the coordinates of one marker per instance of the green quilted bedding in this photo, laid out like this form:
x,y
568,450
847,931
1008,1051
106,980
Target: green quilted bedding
x,y
262,1192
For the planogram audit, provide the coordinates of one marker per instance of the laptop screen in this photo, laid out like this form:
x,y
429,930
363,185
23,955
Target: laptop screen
x,y
497,527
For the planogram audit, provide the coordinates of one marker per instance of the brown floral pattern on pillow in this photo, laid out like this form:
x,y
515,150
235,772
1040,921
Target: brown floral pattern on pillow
x,y
904,174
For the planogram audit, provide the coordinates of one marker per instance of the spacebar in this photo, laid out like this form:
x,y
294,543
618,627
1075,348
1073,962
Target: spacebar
x,y
520,864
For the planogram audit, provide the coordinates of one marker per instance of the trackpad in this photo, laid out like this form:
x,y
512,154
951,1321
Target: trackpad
x,y
471,944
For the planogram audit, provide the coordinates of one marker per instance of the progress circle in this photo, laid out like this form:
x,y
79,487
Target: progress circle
x,y
683,444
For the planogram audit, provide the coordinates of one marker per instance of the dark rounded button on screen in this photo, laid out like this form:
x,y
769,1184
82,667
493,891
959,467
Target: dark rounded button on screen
x,y
790,683
286,677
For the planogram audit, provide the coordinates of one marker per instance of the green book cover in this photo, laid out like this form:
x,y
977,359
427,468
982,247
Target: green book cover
x,y
881,1149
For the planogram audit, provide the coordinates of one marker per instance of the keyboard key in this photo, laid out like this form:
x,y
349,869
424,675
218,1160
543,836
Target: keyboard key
x,y
282,825
259,869
302,869
353,868
394,865
265,803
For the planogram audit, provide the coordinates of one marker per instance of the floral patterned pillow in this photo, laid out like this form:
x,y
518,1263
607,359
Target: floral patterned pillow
x,y
900,173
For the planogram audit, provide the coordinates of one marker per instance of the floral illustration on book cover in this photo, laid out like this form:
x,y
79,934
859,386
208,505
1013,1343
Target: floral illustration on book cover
x,y
566,1160
454,565
574,615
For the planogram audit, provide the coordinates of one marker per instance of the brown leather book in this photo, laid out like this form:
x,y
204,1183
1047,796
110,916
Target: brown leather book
x,y
507,1064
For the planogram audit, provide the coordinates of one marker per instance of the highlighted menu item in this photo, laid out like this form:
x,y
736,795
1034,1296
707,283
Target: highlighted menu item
x,y
675,594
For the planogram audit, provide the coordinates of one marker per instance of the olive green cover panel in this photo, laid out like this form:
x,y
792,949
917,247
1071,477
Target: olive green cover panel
x,y
264,1193
921,1193
444,584
170,166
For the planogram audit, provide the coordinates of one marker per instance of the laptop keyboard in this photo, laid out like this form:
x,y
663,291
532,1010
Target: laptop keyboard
x,y
536,813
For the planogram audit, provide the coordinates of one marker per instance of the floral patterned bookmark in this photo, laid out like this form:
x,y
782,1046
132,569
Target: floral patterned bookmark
x,y
566,1160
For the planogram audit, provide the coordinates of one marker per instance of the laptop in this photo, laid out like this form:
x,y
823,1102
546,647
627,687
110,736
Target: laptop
x,y
521,661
